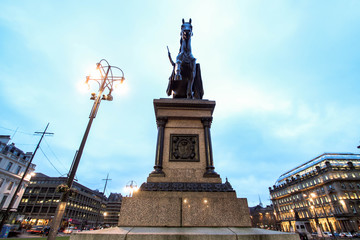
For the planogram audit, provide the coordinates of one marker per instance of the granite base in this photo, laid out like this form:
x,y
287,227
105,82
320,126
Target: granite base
x,y
185,233
184,209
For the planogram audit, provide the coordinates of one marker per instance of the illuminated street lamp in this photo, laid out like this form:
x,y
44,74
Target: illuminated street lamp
x,y
311,198
313,195
131,186
106,81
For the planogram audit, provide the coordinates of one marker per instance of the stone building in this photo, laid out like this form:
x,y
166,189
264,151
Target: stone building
x,y
263,217
324,192
113,206
40,200
13,163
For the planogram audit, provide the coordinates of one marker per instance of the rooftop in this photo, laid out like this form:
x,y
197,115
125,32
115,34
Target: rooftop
x,y
320,160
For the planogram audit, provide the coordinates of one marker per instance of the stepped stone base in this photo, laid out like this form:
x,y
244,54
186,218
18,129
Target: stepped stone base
x,y
188,233
184,209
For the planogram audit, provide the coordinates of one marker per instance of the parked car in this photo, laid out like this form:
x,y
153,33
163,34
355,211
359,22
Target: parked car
x,y
45,230
36,229
327,234
69,230
14,230
345,234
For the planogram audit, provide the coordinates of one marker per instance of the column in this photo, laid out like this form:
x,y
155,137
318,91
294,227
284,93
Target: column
x,y
210,169
161,122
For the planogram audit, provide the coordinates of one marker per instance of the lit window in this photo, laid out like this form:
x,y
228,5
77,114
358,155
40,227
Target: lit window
x,y
347,195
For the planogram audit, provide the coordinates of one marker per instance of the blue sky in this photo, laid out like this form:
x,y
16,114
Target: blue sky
x,y
284,75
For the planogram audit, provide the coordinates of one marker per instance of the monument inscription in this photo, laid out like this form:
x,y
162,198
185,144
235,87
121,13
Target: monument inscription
x,y
184,148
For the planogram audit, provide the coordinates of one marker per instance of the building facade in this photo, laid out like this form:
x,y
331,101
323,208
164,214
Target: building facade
x,y
324,193
85,210
13,163
263,217
113,206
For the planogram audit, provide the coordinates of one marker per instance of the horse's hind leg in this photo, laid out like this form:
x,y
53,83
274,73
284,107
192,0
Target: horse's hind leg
x,y
191,82
189,91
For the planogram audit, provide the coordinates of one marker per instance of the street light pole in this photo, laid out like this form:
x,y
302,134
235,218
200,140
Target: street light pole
x,y
326,216
312,195
106,81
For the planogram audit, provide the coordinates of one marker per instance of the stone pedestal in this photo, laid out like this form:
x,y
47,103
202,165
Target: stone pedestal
x,y
184,151
184,190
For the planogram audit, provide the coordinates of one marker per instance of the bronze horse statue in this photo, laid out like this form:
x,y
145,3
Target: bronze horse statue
x,y
185,80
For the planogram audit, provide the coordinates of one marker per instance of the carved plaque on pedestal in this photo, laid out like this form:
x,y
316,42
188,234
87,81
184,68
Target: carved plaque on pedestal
x,y
184,148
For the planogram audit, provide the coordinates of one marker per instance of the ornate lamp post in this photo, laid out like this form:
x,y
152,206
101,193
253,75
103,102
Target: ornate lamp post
x,y
106,82
131,186
311,200
313,195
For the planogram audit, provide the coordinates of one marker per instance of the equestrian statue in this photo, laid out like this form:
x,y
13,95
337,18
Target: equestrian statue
x,y
185,80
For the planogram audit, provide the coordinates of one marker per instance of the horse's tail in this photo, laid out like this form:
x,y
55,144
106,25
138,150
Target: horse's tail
x,y
170,84
197,85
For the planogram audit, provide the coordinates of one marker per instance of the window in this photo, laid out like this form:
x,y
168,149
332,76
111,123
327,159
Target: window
x,y
36,209
8,167
347,195
36,190
52,209
11,184
1,181
3,200
18,170
353,208
28,209
334,197
44,210
43,190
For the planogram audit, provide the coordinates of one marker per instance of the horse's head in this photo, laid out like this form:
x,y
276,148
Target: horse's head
x,y
186,30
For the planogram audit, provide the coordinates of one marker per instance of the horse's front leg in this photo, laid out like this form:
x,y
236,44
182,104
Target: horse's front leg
x,y
177,69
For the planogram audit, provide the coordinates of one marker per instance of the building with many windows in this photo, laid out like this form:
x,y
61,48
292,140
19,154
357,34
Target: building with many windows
x,y
263,217
39,202
113,207
324,193
13,163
